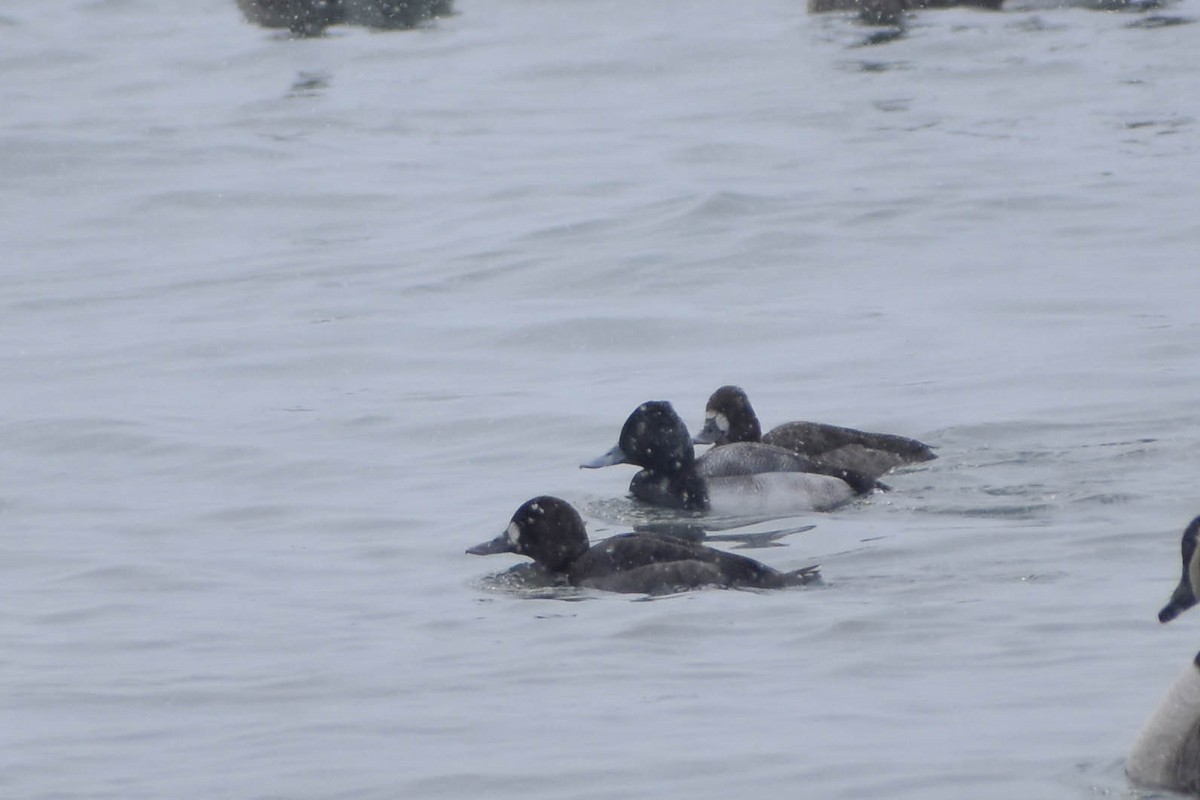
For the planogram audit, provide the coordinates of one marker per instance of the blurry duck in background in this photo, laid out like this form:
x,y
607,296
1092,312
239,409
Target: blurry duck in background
x,y
1166,754
312,17
729,418
892,16
656,439
892,12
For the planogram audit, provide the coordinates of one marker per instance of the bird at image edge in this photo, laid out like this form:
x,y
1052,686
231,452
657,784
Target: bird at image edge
x,y
1166,754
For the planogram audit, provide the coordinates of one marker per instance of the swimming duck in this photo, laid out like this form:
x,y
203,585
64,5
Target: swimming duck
x,y
655,438
754,458
312,17
893,12
550,531
1166,754
729,417
750,458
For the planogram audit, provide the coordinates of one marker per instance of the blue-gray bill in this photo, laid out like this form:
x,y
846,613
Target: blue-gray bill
x,y
614,456
708,434
1181,600
501,544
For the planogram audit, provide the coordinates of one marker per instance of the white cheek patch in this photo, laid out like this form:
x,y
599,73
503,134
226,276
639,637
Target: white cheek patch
x,y
514,534
722,422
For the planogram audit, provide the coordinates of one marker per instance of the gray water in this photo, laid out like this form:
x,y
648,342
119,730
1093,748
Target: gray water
x,y
287,325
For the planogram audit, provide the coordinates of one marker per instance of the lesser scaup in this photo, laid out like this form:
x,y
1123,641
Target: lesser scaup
x,y
655,438
312,17
754,458
551,532
729,418
1166,754
892,12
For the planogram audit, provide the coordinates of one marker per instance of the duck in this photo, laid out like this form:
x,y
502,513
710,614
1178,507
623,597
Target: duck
x,y
551,532
1166,754
893,12
729,418
312,17
754,458
655,438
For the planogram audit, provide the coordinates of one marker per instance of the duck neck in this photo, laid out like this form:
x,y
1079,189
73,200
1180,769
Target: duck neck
x,y
684,489
745,428
1166,754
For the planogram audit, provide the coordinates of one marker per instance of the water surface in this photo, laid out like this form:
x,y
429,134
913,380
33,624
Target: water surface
x,y
287,325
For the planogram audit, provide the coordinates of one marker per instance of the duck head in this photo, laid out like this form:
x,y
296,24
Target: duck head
x,y
1184,596
654,438
729,417
547,529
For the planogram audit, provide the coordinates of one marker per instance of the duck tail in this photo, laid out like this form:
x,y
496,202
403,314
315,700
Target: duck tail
x,y
860,482
803,576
